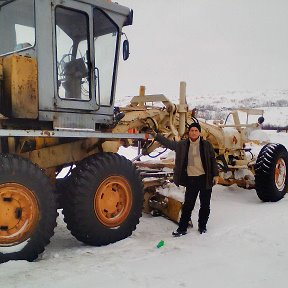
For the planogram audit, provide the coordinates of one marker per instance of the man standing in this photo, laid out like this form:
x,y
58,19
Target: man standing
x,y
196,169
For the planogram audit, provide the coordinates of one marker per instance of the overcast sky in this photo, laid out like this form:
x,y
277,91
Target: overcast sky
x,y
213,45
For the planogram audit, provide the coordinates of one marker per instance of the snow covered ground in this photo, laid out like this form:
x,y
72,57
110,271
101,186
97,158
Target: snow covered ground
x,y
245,246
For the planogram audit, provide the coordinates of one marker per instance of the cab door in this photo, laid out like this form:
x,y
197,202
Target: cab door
x,y
73,54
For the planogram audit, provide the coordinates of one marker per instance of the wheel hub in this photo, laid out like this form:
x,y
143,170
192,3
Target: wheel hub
x,y
280,174
113,201
19,213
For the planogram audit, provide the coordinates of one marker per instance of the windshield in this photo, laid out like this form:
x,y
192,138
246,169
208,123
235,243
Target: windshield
x,y
17,27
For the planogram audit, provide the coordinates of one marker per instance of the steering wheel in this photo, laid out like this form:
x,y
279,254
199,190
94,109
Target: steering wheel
x,y
66,58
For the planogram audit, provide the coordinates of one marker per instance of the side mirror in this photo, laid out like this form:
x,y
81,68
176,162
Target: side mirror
x,y
125,50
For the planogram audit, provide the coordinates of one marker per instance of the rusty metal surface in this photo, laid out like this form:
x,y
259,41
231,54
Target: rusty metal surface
x,y
62,154
21,88
70,134
168,206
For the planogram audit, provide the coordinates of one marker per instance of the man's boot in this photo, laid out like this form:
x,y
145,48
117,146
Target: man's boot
x,y
202,229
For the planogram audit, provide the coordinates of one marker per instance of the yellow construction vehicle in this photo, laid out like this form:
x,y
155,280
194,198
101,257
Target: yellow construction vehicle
x,y
58,68
265,171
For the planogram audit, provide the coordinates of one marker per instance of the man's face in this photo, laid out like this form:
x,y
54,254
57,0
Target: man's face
x,y
194,133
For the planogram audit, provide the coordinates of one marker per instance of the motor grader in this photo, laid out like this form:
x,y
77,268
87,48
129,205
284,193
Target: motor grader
x,y
58,68
234,142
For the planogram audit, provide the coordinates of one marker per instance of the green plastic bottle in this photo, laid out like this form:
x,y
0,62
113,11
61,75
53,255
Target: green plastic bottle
x,y
160,244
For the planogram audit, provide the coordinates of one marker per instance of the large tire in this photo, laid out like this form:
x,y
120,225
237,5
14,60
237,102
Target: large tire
x,y
271,177
27,209
106,199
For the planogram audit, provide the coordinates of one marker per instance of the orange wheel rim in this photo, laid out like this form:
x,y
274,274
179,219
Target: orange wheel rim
x,y
113,201
280,174
19,213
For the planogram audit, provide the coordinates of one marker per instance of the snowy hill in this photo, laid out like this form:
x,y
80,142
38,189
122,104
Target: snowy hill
x,y
273,102
217,105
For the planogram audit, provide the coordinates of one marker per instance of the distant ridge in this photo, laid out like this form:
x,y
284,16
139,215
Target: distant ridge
x,y
218,105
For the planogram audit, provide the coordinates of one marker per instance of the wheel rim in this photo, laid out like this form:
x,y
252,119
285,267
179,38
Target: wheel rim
x,y
113,201
280,174
19,213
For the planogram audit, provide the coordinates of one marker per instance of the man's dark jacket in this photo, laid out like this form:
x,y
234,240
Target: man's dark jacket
x,y
181,148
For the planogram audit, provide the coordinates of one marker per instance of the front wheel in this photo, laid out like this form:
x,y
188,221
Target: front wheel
x,y
271,178
104,200
27,209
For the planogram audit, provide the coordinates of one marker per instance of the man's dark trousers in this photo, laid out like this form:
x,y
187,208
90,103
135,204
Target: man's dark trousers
x,y
194,185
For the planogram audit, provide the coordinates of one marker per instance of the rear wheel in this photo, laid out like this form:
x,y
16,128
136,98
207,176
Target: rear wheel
x,y
271,178
27,209
106,199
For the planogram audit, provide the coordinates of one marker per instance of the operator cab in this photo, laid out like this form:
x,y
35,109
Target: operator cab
x,y
75,46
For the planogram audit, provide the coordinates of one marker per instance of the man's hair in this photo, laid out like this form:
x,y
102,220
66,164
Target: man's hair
x,y
196,125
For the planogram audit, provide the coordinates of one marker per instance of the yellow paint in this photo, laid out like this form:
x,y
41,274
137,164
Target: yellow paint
x,y
42,142
62,154
21,89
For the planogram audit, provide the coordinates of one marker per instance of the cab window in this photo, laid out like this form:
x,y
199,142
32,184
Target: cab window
x,y
72,41
17,26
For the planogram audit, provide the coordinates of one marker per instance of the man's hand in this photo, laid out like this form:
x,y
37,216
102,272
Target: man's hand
x,y
151,132
215,180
